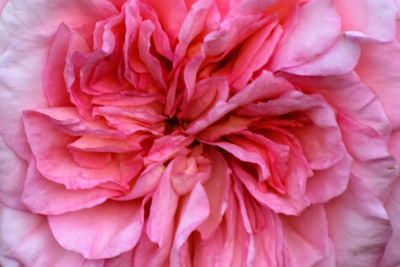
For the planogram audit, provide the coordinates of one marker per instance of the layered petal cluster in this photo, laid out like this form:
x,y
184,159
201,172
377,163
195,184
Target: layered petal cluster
x,y
199,133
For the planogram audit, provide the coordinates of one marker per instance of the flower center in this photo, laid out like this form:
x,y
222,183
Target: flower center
x,y
171,124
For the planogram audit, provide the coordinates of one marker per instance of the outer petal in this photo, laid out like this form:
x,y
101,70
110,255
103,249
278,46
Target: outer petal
x,y
45,197
368,18
120,225
309,247
391,257
27,237
358,225
377,69
12,178
341,58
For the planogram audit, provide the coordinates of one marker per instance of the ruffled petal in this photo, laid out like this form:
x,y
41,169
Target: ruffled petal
x,y
45,197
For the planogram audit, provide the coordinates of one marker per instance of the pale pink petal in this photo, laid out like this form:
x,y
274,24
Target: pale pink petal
x,y
313,31
372,19
358,226
13,172
125,259
326,184
120,225
341,58
339,91
271,251
309,247
45,197
373,164
376,69
26,236
391,256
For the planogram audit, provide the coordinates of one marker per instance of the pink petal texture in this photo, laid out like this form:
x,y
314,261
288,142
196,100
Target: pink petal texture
x,y
359,231
12,184
120,225
193,133
370,19
312,21
30,237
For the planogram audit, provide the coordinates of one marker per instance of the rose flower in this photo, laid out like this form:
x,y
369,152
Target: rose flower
x,y
199,133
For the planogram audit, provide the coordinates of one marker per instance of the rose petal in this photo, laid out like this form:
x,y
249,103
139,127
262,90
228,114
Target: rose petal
x,y
216,188
375,69
171,16
120,225
25,236
314,31
391,256
309,248
195,210
13,170
358,225
45,197
373,19
53,160
341,58
265,86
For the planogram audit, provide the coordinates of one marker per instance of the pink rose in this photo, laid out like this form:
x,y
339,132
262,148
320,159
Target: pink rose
x,y
199,133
